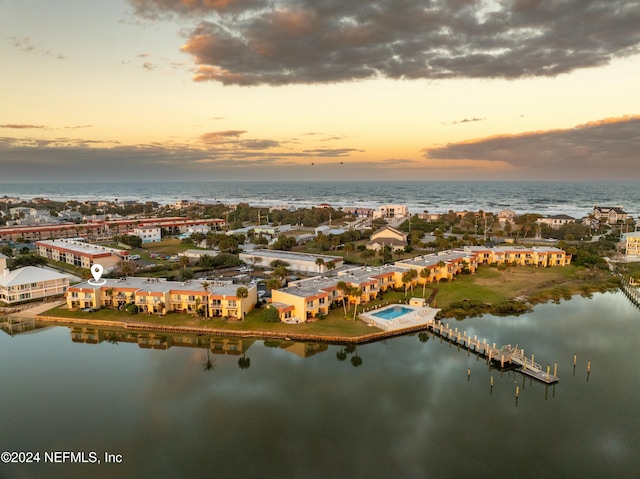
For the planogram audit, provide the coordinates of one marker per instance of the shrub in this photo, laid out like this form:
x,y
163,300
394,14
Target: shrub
x,y
510,307
270,315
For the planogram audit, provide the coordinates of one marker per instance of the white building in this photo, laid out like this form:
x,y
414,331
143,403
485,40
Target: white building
x,y
204,229
29,283
556,221
392,211
302,262
632,245
148,233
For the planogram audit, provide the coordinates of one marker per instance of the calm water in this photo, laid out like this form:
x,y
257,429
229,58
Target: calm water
x,y
572,198
407,411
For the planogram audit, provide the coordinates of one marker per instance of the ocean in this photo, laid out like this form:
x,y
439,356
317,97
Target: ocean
x,y
576,199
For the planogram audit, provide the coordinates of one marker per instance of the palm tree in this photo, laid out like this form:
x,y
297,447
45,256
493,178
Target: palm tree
x,y
414,275
366,255
344,289
184,262
244,363
441,264
406,279
348,249
331,265
425,274
357,293
356,360
242,293
206,285
502,267
209,364
320,263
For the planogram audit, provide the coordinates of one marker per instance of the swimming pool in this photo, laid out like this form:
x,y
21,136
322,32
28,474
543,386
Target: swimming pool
x,y
392,313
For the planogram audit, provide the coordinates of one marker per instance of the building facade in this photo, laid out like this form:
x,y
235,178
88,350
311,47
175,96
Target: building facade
x,y
148,234
159,296
29,283
301,262
80,253
632,245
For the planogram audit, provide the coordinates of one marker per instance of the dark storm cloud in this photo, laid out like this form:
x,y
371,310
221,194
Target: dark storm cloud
x,y
608,147
248,42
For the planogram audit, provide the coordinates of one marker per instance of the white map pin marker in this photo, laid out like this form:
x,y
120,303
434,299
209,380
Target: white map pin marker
x,y
96,271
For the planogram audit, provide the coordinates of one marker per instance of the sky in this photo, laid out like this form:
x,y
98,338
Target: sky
x,y
210,90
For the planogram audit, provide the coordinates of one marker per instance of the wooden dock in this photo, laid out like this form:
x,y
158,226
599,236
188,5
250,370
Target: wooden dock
x,y
505,356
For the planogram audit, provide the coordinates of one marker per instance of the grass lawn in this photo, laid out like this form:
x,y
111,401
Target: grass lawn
x,y
489,286
332,325
168,246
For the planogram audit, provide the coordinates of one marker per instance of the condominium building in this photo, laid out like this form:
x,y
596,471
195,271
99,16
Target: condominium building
x,y
305,299
632,245
392,211
159,296
520,255
80,253
29,283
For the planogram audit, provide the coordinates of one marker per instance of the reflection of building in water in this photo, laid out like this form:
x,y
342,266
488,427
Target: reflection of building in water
x,y
13,326
304,350
161,340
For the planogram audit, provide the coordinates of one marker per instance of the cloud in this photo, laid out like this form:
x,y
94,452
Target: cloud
x,y
251,42
26,45
19,126
468,120
331,152
219,136
219,153
601,149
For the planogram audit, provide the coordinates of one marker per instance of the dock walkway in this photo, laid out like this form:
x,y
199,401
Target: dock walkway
x,y
504,356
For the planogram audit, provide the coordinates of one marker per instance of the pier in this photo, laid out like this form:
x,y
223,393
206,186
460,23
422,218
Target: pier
x,y
630,290
505,356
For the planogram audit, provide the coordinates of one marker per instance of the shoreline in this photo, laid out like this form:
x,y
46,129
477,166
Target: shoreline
x,y
256,334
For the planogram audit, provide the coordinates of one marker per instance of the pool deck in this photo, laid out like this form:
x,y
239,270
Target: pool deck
x,y
418,316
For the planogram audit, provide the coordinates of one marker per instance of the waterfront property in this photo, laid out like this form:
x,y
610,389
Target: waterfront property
x,y
305,299
394,317
556,221
391,211
29,283
609,214
159,296
520,255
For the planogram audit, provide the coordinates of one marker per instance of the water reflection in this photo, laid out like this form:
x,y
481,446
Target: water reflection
x,y
410,409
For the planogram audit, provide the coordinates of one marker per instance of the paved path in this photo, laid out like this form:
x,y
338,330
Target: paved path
x,y
31,310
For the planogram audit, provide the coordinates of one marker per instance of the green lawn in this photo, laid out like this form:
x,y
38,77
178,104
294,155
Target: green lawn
x,y
489,285
333,325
